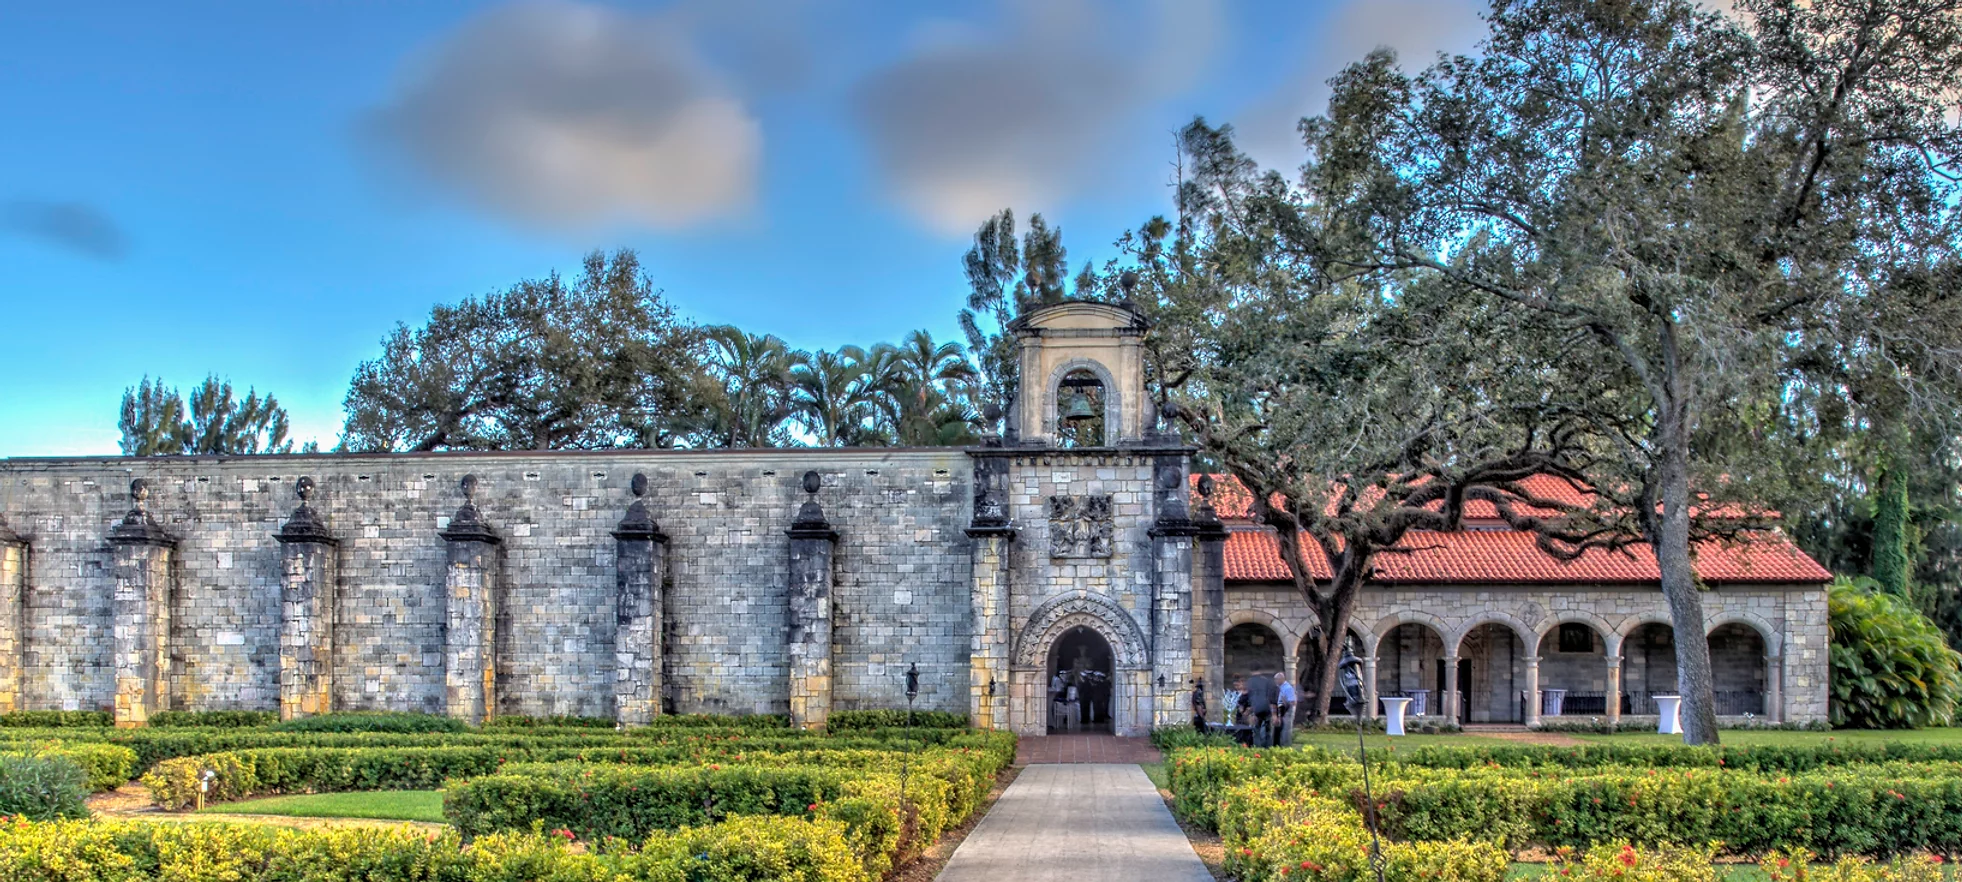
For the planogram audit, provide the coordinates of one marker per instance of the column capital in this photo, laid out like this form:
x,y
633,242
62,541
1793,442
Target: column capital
x,y
639,523
468,524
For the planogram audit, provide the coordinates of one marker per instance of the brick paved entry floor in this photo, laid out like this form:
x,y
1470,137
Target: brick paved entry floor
x,y
1037,749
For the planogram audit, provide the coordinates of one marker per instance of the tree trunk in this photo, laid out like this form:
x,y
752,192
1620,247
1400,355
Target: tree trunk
x,y
1334,618
1670,538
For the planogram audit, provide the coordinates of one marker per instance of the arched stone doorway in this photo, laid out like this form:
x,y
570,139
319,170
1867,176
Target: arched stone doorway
x,y
1081,658
1739,670
1648,668
1252,648
1491,676
1410,664
1047,634
1573,659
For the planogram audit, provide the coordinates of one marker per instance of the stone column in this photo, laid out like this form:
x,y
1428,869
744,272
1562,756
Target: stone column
x,y
812,542
470,613
1532,690
639,567
1172,533
1370,688
1209,594
13,625
993,535
1614,690
1449,704
141,607
306,605
1774,686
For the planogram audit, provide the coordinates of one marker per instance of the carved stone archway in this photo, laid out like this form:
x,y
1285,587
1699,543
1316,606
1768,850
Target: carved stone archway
x,y
1130,656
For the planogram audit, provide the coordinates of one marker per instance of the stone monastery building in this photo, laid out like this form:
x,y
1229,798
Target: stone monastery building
x,y
635,583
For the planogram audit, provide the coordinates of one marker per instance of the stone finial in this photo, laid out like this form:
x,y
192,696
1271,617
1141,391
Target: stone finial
x,y
810,522
305,525
468,523
1203,513
139,527
639,522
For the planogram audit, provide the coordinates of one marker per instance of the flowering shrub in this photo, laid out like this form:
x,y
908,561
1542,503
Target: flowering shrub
x,y
1621,862
1798,867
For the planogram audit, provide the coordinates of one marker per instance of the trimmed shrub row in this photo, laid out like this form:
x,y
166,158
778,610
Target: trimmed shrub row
x,y
750,849
860,720
551,722
372,721
55,719
214,719
104,766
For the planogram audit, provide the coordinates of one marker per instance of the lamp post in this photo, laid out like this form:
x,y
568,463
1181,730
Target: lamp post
x,y
1349,672
906,755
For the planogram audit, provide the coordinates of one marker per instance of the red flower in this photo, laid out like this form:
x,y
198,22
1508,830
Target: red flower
x,y
1627,856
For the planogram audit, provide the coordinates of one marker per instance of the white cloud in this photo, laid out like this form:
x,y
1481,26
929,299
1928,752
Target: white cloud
x,y
975,121
559,114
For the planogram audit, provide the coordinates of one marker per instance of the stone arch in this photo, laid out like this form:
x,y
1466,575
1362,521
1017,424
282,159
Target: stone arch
x,y
1610,637
1114,402
1404,617
1098,613
1635,622
1454,641
1262,617
1773,645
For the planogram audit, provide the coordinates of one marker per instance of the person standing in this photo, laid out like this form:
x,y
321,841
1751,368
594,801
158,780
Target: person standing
x,y
1261,695
1056,709
1284,708
1199,706
1072,703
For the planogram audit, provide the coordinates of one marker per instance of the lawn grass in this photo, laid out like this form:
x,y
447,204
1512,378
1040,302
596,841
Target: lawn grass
x,y
1161,778
392,805
1785,737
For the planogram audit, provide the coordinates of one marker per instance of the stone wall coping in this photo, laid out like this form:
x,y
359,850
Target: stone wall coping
x,y
760,454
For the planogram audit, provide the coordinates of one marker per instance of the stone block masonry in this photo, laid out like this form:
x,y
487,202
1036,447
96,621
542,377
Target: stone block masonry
x,y
213,620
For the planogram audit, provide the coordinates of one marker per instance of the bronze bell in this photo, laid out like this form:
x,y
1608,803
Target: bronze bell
x,y
1079,408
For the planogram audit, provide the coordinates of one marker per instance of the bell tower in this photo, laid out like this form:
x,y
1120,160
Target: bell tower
x,y
1082,377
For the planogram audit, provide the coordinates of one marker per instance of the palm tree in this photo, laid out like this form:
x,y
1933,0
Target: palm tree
x,y
753,372
829,392
929,378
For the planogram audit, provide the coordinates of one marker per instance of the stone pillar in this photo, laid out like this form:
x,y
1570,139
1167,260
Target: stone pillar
x,y
993,536
1172,534
13,625
639,567
812,542
1533,690
306,604
1774,686
1370,688
470,613
1449,704
1209,594
141,609
1614,690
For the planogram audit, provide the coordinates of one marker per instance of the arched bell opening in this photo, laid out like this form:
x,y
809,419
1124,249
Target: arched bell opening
x,y
1082,681
1080,408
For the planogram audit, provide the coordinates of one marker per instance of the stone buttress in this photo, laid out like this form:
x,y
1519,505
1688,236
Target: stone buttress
x,y
640,556
308,582
812,543
470,612
142,553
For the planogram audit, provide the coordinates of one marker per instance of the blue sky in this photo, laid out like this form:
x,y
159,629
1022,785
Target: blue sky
x,y
263,190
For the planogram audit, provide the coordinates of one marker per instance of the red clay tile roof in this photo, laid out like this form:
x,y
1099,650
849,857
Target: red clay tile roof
x,y
1233,502
1510,556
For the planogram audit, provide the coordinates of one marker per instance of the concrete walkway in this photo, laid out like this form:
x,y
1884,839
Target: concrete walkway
x,y
1081,823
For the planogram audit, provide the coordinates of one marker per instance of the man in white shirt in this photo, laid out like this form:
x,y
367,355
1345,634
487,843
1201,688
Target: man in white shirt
x,y
1284,710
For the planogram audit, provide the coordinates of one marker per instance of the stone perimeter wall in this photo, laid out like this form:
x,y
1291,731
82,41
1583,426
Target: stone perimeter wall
x,y
901,568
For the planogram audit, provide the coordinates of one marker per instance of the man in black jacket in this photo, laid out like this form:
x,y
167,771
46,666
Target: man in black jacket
x,y
1262,693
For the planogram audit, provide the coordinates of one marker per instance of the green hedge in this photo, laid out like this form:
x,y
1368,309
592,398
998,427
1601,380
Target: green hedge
x,y
858,720
371,721
214,719
755,849
42,788
551,722
719,721
173,783
55,719
104,766
630,802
